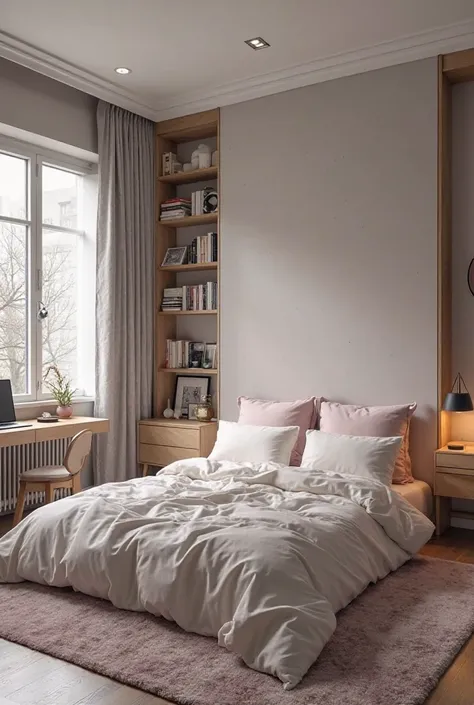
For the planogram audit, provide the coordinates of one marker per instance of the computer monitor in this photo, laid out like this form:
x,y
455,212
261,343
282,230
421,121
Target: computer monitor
x,y
7,409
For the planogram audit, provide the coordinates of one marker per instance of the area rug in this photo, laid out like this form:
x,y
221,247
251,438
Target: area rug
x,y
391,646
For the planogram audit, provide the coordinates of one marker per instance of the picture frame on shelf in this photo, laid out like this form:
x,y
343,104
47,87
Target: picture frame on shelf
x,y
175,256
192,412
190,390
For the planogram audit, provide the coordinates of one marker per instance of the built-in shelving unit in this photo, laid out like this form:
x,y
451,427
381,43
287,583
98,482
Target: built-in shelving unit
x,y
187,371
187,313
200,267
190,221
190,177
181,136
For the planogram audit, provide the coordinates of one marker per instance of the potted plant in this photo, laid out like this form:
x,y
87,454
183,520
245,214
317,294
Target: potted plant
x,y
60,388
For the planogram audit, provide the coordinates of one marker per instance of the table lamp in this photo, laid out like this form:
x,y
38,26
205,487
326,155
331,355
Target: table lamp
x,y
458,401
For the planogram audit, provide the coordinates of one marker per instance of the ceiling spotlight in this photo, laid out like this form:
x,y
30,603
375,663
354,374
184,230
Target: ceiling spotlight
x,y
257,43
122,70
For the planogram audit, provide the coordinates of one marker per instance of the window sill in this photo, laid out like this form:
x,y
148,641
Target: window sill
x,y
37,404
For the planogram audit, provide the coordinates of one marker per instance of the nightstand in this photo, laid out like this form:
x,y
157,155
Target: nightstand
x,y
454,477
162,441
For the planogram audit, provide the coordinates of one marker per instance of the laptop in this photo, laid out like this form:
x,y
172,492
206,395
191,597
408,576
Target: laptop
x,y
7,408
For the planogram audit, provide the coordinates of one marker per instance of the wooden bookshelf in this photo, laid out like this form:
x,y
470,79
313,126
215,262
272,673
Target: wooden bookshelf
x,y
181,135
200,267
190,177
188,370
187,313
190,221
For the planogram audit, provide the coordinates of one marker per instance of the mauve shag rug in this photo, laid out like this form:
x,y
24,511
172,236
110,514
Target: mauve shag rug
x,y
391,645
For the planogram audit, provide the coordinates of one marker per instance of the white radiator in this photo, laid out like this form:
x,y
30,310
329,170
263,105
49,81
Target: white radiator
x,y
16,459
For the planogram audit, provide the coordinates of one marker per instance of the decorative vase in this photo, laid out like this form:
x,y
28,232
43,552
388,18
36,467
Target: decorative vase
x,y
64,412
168,413
204,156
204,410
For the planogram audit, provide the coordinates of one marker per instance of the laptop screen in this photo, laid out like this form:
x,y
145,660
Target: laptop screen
x,y
7,410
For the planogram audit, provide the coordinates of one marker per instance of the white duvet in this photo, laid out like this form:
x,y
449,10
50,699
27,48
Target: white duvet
x,y
258,555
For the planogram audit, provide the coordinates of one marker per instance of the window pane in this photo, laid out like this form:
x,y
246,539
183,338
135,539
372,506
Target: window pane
x,y
60,191
59,295
13,306
13,186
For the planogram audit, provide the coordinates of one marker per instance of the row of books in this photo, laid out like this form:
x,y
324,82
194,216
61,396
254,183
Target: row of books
x,y
175,208
197,201
183,354
203,249
199,297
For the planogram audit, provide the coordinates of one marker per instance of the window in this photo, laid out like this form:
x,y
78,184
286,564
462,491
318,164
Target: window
x,y
48,208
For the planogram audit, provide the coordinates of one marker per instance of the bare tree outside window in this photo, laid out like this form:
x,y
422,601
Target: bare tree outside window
x,y
59,247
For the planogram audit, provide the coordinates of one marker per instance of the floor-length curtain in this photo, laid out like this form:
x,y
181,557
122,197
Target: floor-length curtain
x,y
125,283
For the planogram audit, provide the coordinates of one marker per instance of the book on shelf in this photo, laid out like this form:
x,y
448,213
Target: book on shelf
x,y
175,208
186,354
204,201
199,297
203,249
172,299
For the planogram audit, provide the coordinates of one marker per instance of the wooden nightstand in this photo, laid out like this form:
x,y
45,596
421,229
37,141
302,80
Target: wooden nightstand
x,y
162,441
454,477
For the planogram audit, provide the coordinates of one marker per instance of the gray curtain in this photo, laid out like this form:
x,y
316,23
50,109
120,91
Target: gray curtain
x,y
125,287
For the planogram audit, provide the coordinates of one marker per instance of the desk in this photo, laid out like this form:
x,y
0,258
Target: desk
x,y
64,428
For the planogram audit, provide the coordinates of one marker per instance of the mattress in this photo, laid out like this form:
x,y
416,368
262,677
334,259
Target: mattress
x,y
419,494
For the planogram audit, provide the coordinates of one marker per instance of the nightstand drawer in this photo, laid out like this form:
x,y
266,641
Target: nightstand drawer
x,y
460,486
162,436
455,460
164,455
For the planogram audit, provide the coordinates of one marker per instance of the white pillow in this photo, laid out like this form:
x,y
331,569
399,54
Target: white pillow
x,y
365,456
254,444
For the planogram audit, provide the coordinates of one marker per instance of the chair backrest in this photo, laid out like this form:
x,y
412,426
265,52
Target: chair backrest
x,y
77,452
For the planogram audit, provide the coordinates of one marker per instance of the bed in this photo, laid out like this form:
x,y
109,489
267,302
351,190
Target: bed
x,y
257,554
419,494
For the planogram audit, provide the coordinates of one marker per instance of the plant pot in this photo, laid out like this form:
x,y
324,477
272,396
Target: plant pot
x,y
64,412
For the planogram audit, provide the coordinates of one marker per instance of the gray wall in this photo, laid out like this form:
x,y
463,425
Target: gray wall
x,y
463,247
328,245
46,107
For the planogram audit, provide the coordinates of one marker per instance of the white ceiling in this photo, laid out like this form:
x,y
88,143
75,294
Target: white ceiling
x,y
189,55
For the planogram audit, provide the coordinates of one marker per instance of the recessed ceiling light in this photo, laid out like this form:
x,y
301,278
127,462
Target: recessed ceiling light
x,y
257,43
122,70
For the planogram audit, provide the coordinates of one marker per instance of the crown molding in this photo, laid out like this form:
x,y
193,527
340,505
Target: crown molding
x,y
412,47
32,58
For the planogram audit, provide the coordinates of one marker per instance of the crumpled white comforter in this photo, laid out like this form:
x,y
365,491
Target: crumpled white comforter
x,y
261,556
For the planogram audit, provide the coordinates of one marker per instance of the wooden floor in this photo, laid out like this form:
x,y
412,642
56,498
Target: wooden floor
x,y
30,678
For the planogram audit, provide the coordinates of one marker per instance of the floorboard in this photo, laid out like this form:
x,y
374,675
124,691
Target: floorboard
x,y
30,678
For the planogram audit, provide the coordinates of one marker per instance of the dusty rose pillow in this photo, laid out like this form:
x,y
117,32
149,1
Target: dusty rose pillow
x,y
258,412
382,421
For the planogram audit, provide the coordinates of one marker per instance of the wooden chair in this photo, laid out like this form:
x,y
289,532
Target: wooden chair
x,y
54,477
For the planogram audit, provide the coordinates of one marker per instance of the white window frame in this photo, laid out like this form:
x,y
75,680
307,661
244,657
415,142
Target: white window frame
x,y
37,157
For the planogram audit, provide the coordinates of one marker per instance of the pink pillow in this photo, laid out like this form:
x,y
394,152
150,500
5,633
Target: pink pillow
x,y
381,421
258,412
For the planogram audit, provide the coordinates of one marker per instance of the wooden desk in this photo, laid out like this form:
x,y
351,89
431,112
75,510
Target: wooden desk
x,y
64,428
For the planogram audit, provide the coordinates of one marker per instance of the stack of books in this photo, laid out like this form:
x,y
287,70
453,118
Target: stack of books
x,y
201,297
203,249
170,164
172,299
184,354
175,208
